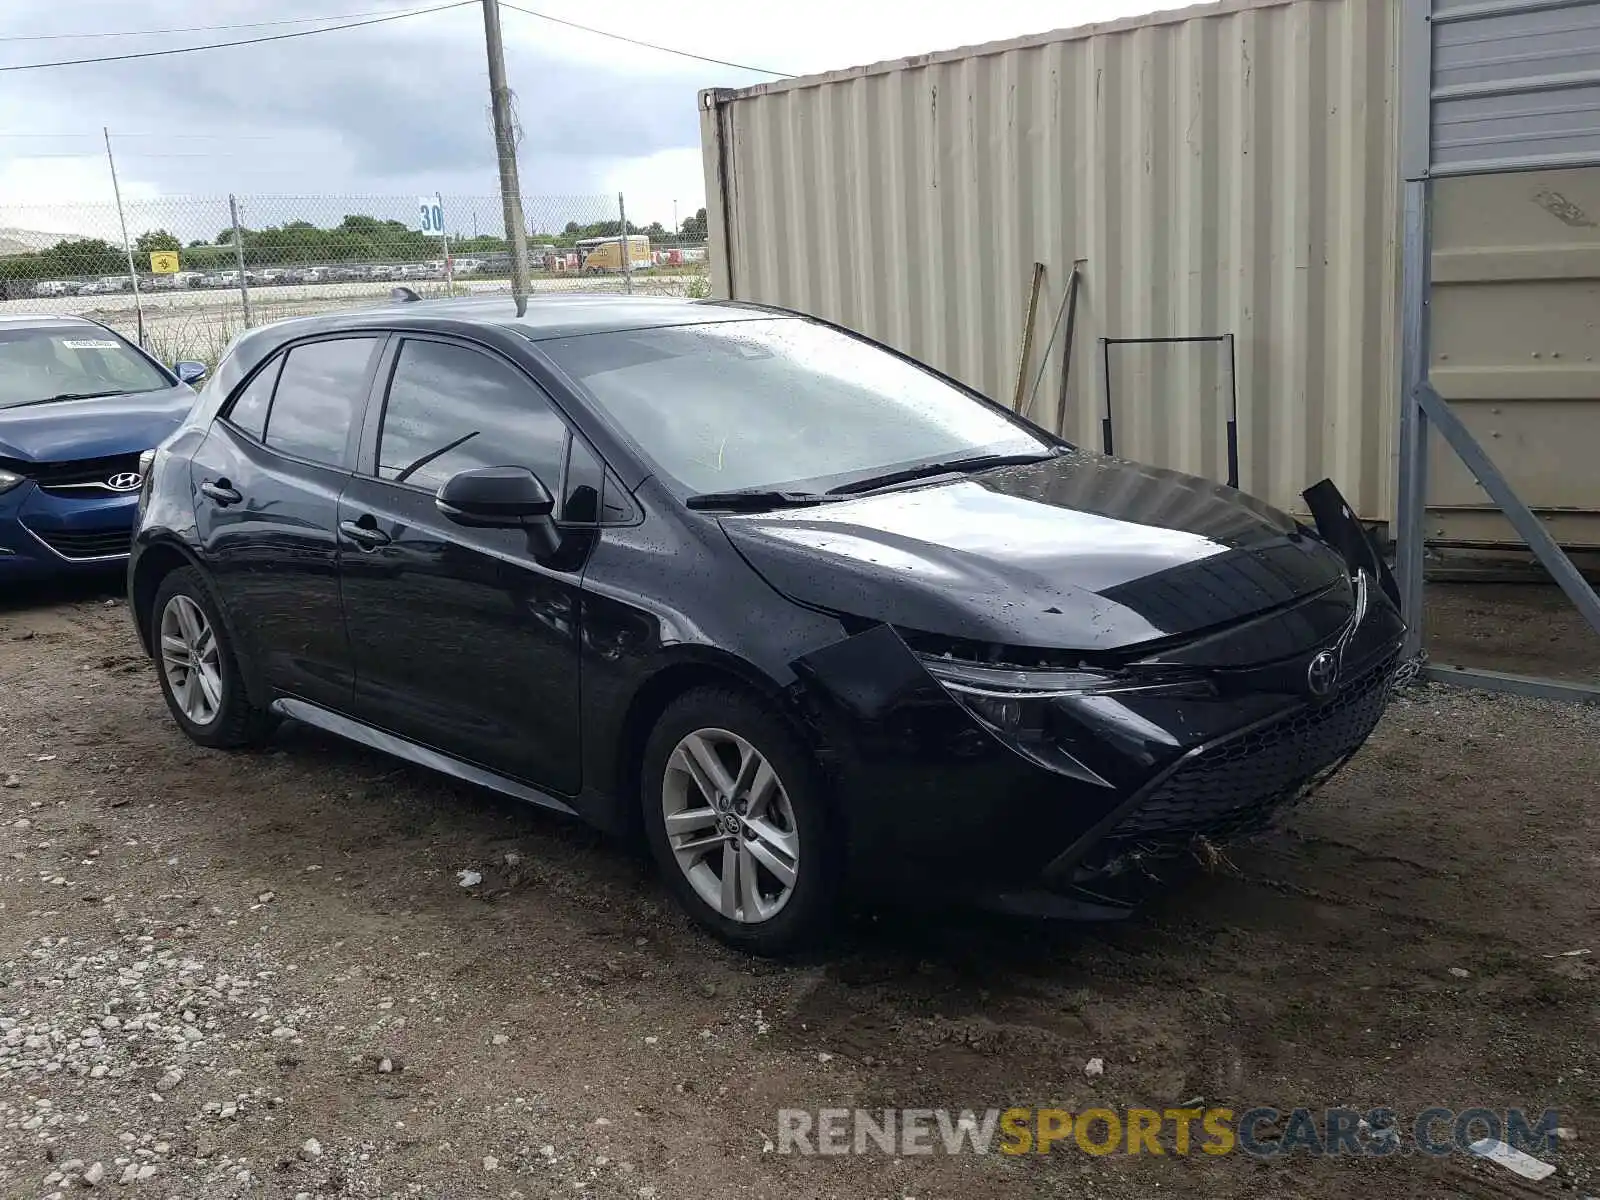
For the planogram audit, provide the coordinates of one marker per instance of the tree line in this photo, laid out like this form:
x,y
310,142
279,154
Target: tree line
x,y
357,238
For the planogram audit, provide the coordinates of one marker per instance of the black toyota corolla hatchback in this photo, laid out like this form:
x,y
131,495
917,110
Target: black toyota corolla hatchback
x,y
817,619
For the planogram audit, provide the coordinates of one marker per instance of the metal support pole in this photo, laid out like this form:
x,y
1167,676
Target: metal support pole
x,y
1411,514
1026,352
449,270
627,258
238,255
505,143
127,246
1233,414
1105,396
1432,407
1070,336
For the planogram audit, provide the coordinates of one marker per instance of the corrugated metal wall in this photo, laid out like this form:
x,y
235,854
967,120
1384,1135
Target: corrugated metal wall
x,y
1514,85
1516,349
1230,168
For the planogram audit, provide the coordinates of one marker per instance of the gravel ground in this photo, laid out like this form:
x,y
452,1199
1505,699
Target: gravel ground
x,y
260,975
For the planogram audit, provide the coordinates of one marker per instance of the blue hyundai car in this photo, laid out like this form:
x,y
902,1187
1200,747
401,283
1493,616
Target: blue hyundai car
x,y
79,406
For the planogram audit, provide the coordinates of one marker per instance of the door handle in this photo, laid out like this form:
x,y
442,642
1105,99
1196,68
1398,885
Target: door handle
x,y
366,535
221,492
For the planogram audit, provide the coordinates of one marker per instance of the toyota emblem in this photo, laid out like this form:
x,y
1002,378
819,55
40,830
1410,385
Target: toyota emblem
x,y
1322,675
125,481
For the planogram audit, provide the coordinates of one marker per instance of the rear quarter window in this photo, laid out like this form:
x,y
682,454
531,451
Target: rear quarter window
x,y
322,389
249,409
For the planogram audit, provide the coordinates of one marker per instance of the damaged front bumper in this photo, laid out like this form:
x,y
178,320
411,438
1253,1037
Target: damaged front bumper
x,y
1050,795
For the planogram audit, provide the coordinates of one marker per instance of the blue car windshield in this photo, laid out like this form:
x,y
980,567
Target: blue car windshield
x,y
40,363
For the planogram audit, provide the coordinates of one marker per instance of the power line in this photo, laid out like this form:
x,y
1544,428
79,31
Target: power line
x,y
276,37
57,37
647,45
208,137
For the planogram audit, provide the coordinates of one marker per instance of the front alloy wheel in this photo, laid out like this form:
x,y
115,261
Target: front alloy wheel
x,y
740,821
189,659
730,825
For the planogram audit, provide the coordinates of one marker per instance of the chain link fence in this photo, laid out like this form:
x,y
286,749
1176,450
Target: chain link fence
x,y
205,268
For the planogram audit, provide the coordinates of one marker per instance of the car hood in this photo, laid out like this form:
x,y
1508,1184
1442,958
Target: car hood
x,y
68,430
1076,552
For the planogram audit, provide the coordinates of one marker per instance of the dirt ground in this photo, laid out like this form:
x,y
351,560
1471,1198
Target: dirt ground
x,y
1524,628
207,959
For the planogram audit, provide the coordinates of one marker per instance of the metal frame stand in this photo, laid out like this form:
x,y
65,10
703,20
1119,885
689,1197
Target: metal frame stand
x,y
1107,439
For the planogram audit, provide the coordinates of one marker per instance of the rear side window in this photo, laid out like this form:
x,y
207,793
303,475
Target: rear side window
x,y
453,409
249,411
321,392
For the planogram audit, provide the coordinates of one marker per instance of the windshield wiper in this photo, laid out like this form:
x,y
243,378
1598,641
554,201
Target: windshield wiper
x,y
976,462
755,500
431,455
67,396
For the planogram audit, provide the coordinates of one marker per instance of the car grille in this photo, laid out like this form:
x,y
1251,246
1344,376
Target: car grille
x,y
100,543
1234,786
74,478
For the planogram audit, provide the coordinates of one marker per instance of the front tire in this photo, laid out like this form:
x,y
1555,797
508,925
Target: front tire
x,y
198,668
740,824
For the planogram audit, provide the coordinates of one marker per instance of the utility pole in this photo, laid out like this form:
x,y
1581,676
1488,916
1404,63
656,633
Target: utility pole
x,y
505,142
444,238
627,257
238,256
127,246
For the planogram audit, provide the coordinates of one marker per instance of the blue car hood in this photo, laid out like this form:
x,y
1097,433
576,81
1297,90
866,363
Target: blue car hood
x,y
68,430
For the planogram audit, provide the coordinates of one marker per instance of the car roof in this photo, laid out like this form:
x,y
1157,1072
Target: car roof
x,y
44,321
546,316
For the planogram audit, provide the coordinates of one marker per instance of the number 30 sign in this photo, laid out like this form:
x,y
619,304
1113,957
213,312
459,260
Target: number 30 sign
x,y
430,214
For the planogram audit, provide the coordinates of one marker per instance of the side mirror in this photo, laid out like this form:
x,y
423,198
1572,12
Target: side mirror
x,y
190,372
502,498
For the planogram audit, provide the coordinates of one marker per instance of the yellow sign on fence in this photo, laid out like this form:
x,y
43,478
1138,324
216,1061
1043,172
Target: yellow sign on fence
x,y
164,262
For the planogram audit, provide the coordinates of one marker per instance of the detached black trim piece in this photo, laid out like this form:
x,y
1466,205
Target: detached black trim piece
x,y
1340,529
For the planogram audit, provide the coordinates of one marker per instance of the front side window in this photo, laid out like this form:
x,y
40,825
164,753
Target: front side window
x,y
781,403
321,392
452,409
585,485
41,364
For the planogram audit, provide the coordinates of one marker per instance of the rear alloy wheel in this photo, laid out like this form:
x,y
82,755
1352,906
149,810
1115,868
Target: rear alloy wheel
x,y
199,672
739,824
189,660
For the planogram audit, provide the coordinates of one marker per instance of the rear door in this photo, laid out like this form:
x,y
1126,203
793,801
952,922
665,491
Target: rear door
x,y
461,641
266,485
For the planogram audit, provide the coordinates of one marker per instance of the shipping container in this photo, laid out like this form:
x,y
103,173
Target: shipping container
x,y
1227,169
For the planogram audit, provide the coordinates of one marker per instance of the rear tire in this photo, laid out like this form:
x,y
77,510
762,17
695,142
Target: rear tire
x,y
198,667
730,790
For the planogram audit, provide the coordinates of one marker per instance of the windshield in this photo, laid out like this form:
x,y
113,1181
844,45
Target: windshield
x,y
42,362
779,404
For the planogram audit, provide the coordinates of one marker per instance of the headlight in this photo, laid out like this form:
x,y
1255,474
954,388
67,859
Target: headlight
x,y
1004,685
10,479
147,460
1043,713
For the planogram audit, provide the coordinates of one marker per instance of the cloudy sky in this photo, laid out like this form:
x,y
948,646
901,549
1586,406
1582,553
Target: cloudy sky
x,y
400,108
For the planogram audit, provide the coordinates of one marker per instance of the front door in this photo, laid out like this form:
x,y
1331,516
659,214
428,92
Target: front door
x,y
266,484
461,641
